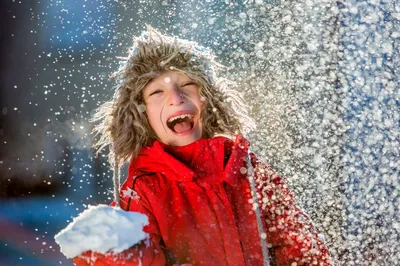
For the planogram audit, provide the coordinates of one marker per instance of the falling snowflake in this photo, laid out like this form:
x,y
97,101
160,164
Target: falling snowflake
x,y
130,193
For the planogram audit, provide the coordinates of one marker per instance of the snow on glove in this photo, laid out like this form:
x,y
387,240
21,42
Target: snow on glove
x,y
102,229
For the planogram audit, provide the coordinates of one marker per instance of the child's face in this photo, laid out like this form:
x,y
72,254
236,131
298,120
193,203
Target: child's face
x,y
173,107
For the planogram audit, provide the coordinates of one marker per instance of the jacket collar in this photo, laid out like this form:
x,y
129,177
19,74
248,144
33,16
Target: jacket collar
x,y
237,160
202,158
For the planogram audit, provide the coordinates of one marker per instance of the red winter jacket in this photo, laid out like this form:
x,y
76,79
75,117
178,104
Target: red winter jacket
x,y
198,200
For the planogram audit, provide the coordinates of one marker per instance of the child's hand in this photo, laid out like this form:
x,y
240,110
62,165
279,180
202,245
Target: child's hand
x,y
102,229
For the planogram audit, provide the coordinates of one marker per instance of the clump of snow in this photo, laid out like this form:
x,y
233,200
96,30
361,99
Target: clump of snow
x,y
102,228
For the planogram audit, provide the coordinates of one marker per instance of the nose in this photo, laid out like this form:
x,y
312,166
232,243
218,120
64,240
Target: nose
x,y
175,96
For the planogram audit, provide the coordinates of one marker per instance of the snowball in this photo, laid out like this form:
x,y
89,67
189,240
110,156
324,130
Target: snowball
x,y
102,229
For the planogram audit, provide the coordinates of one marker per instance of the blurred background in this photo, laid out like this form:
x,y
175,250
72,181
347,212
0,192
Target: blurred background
x,y
322,79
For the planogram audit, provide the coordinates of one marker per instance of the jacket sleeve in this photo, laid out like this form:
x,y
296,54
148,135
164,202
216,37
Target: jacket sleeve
x,y
289,230
144,253
147,252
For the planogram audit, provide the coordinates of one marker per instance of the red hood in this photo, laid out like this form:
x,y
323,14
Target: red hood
x,y
218,156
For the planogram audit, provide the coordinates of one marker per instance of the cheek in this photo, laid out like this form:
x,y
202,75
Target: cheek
x,y
152,119
153,116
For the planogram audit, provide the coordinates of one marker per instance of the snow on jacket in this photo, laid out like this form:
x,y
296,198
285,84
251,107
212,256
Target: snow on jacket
x,y
198,200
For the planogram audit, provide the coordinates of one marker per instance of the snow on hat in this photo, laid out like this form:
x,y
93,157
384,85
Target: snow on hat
x,y
153,53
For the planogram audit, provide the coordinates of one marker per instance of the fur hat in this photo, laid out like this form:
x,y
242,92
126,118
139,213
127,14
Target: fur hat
x,y
153,53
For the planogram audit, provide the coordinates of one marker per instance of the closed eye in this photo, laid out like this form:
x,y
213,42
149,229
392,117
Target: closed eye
x,y
189,84
155,92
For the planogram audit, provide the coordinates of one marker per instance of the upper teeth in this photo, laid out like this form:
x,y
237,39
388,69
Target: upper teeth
x,y
180,116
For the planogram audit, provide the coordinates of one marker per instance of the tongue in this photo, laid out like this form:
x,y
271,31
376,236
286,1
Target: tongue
x,y
182,127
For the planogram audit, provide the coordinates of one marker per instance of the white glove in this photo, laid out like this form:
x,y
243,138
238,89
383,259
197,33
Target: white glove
x,y
102,229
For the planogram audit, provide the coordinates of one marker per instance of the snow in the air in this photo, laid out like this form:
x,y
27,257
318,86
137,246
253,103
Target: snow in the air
x,y
102,229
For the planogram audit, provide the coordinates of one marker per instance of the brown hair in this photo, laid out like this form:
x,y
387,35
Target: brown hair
x,y
122,123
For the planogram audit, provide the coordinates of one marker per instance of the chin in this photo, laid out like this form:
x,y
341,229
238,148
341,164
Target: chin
x,y
184,140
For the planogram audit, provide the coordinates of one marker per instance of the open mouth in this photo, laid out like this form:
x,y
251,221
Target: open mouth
x,y
181,123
